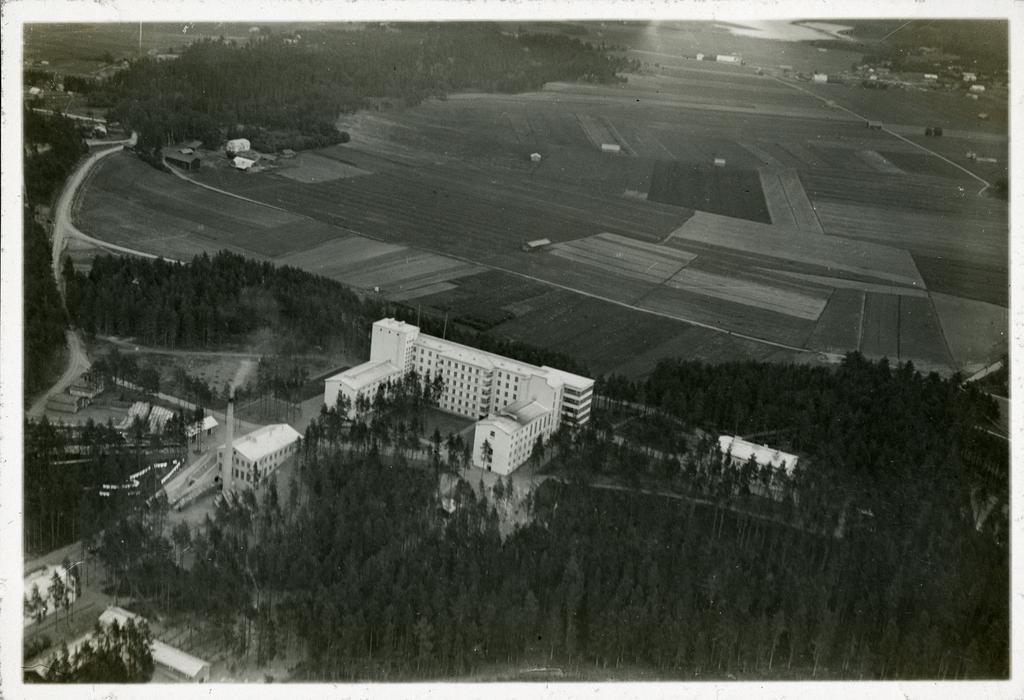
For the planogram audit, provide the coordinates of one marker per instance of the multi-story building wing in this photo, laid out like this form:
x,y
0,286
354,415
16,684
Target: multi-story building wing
x,y
476,384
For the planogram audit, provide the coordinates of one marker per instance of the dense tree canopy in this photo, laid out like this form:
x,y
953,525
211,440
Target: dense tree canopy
x,y
212,302
288,90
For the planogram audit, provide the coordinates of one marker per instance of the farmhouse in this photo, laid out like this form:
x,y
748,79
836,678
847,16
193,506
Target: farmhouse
x,y
518,400
740,452
256,455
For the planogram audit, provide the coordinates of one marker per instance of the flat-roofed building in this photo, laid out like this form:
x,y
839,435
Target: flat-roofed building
x,y
476,384
259,453
740,452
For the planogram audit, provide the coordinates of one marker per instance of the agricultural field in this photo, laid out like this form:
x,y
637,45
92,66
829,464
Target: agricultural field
x,y
730,192
817,237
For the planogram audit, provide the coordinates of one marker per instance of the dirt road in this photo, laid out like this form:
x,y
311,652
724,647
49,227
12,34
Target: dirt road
x,y
78,363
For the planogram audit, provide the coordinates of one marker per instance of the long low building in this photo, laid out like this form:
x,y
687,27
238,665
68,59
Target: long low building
x,y
740,452
516,399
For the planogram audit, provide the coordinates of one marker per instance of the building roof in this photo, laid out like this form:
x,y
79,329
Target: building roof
x,y
395,325
208,423
174,658
489,360
539,242
742,450
524,411
262,441
366,374
503,423
158,417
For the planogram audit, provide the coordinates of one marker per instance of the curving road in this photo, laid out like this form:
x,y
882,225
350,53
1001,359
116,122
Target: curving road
x,y
63,229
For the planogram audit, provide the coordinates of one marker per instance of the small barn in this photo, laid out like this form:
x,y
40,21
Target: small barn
x,y
611,148
720,162
185,161
538,244
820,77
977,89
242,163
535,157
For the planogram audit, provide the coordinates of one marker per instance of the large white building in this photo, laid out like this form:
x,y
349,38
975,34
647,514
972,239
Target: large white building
x,y
513,401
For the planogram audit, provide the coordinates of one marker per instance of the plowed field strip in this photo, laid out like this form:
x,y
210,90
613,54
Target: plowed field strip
x,y
838,327
803,211
749,293
881,326
840,283
776,199
762,155
921,339
653,271
868,259
738,318
879,162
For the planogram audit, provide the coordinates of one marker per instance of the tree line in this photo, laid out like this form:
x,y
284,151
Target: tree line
x,y
287,91
213,302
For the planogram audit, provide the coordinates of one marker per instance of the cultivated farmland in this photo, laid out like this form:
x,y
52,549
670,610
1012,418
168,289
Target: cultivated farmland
x,y
817,236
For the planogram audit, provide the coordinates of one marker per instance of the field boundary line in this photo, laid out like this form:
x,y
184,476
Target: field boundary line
x,y
174,171
986,183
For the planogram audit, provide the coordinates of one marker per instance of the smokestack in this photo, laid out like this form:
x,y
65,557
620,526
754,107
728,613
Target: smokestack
x,y
228,455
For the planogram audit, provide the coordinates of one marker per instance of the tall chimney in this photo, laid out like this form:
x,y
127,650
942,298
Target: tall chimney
x,y
228,454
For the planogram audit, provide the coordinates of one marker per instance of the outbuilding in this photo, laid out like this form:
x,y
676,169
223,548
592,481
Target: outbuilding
x,y
820,77
185,161
236,146
611,148
535,157
243,163
531,246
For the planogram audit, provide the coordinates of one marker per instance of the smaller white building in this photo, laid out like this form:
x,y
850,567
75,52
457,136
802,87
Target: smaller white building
x,y
504,440
970,77
977,89
740,452
820,77
720,162
259,453
205,427
359,381
730,58
611,148
535,157
241,163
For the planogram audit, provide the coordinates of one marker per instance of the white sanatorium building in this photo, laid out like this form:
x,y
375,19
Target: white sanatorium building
x,y
513,402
